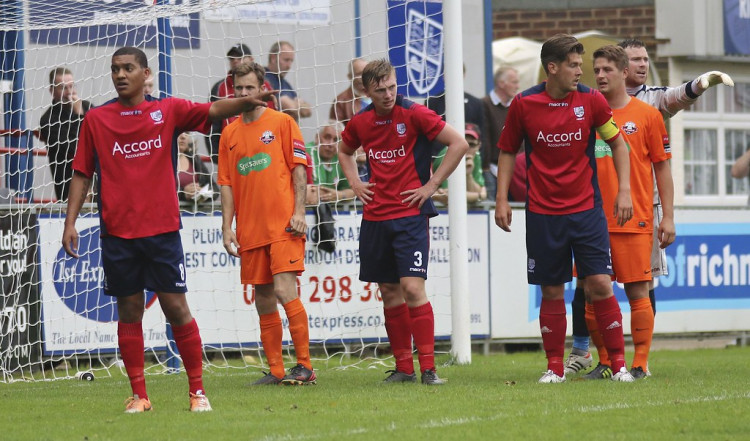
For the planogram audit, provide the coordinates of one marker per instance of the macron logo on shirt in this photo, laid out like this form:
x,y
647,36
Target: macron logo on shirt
x,y
137,149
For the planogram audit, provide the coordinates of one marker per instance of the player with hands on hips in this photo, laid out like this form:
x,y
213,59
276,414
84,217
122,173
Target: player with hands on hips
x,y
394,241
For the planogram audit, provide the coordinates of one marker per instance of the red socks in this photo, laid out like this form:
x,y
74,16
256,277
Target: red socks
x,y
423,329
609,321
398,328
553,325
130,340
189,344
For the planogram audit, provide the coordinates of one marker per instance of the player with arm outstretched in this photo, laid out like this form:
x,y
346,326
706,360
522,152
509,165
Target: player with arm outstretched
x,y
129,143
564,213
394,245
668,100
263,178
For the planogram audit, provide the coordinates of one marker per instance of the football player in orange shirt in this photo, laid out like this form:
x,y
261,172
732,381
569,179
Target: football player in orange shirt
x,y
263,179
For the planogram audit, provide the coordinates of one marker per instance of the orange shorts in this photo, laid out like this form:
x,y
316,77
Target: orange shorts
x,y
631,256
259,265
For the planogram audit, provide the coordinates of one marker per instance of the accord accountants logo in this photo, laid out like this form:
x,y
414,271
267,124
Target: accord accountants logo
x,y
137,148
79,282
559,139
387,156
258,162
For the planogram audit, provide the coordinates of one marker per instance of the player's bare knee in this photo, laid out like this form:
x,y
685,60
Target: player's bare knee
x,y
598,287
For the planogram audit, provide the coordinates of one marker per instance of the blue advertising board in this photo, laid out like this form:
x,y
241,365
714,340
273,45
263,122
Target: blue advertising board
x,y
107,23
415,46
737,27
709,268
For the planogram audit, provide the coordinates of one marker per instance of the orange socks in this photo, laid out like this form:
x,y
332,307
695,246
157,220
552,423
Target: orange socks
x,y
298,327
642,329
271,335
596,337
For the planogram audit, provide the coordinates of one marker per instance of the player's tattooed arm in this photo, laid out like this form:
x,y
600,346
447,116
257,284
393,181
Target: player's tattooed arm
x,y
298,223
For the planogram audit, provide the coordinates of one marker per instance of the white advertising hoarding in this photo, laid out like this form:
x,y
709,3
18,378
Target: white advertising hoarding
x,y
77,316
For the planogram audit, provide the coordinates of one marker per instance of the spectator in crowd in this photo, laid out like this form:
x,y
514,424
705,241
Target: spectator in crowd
x,y
475,189
148,86
741,168
59,127
472,112
193,178
237,54
496,106
280,60
327,174
352,100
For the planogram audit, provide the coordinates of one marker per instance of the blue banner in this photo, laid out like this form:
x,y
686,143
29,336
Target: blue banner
x,y
709,268
118,28
737,27
415,46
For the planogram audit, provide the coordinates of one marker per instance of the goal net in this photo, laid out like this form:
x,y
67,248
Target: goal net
x,y
54,318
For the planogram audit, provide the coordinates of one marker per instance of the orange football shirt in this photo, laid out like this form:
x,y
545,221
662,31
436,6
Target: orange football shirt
x,y
648,142
256,159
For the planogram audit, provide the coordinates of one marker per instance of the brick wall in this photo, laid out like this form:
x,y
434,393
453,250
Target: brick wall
x,y
623,22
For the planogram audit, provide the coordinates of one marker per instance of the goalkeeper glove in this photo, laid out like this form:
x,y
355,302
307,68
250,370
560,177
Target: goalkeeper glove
x,y
710,79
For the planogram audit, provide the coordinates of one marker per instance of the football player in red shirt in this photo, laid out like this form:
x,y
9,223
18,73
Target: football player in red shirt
x,y
394,244
129,143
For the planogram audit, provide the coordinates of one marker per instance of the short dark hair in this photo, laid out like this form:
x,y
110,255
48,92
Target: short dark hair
x,y
239,50
557,48
376,71
631,42
58,72
613,53
249,68
139,55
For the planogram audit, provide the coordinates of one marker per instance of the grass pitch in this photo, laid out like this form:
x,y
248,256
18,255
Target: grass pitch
x,y
692,395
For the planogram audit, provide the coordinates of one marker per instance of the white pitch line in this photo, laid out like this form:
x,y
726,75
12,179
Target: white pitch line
x,y
459,421
613,406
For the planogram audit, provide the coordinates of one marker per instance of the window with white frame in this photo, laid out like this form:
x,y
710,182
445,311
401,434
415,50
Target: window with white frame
x,y
717,132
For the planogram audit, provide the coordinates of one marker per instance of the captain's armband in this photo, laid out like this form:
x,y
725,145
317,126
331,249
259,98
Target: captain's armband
x,y
608,131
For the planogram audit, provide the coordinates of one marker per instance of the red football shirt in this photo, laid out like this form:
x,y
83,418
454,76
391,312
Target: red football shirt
x,y
560,137
398,153
134,152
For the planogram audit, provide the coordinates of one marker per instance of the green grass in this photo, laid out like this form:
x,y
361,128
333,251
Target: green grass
x,y
693,395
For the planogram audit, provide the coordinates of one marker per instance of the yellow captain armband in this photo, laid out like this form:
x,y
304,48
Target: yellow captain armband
x,y
608,130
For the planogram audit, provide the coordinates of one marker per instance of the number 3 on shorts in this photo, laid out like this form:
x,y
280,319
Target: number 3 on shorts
x,y
418,258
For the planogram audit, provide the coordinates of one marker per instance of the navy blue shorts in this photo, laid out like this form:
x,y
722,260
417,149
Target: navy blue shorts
x,y
389,250
551,241
155,263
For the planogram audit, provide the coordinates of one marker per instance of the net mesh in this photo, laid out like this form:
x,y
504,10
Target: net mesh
x,y
54,320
